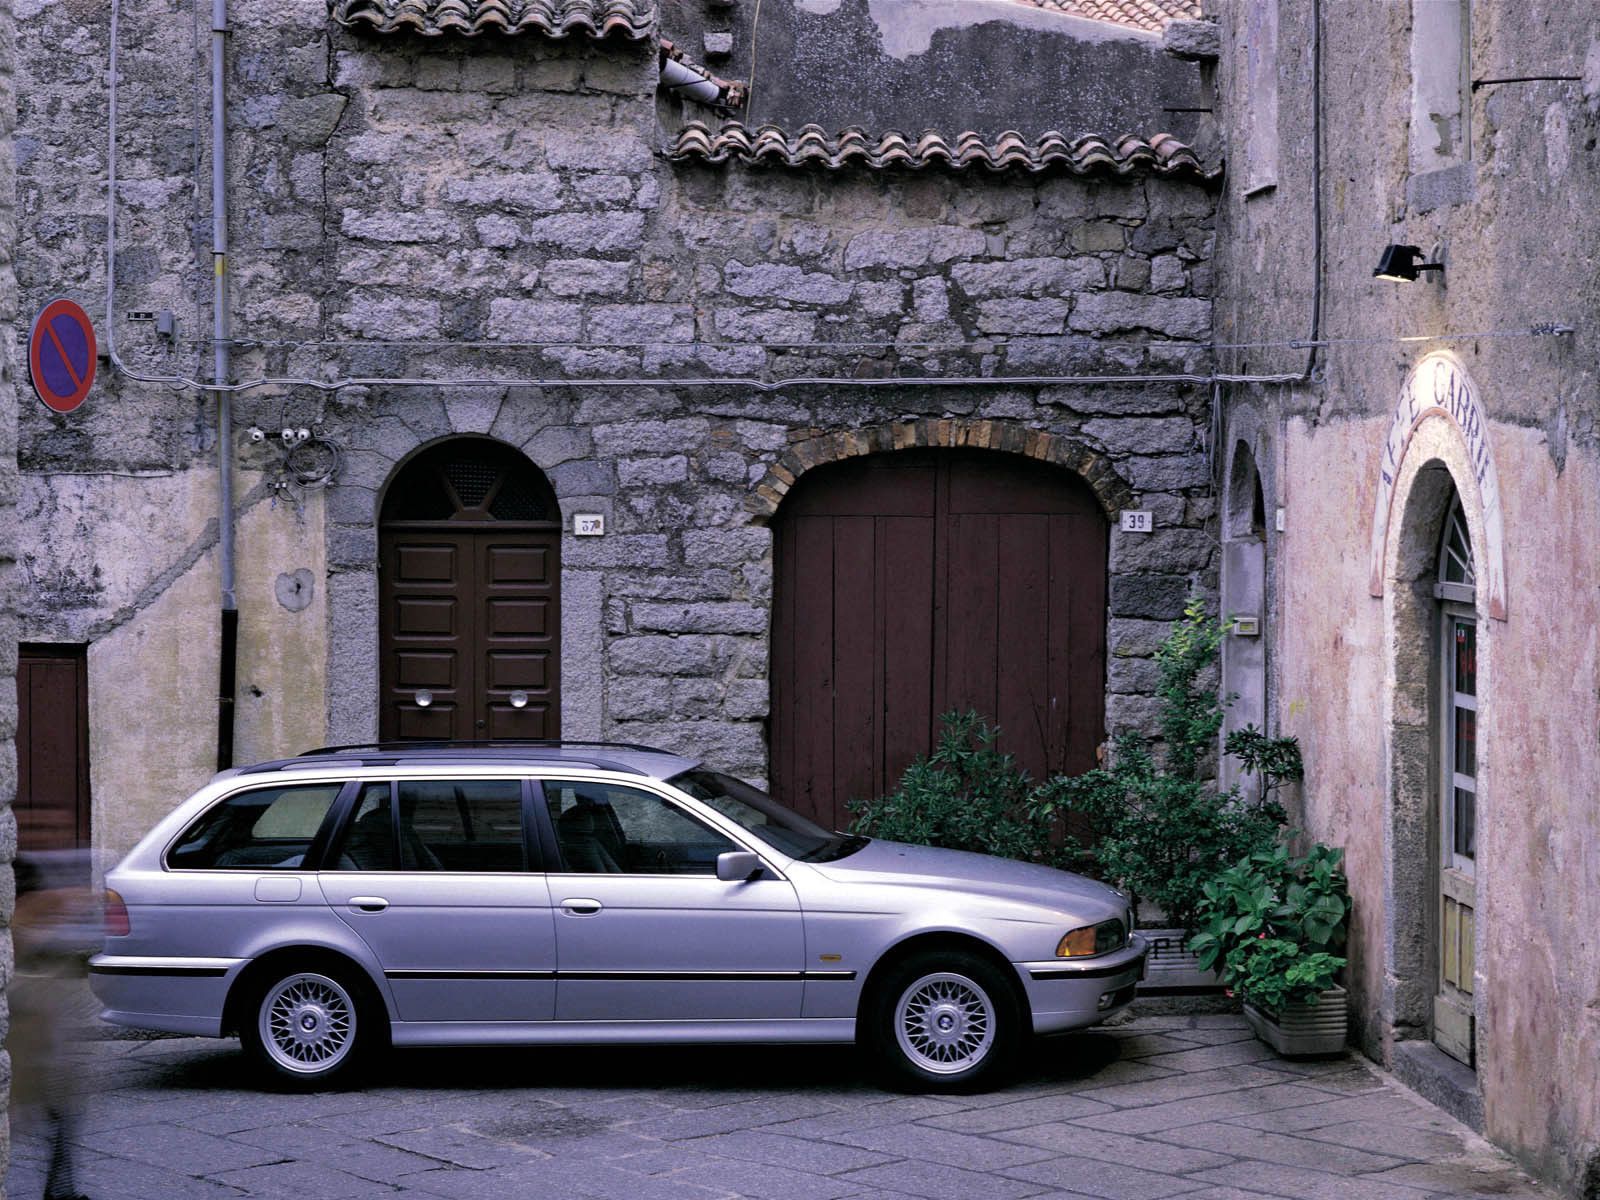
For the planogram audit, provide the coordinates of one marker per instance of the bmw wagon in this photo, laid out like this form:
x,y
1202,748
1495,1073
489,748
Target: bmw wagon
x,y
328,906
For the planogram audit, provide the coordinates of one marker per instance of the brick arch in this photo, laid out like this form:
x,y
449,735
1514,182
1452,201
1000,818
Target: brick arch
x,y
1093,468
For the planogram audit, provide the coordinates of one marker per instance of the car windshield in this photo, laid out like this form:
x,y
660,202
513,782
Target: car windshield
x,y
780,827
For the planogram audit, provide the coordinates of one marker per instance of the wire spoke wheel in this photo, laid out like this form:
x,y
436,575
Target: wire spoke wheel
x,y
945,1023
307,1023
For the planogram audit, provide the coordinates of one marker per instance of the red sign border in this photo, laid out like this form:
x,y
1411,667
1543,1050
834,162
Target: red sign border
x,y
61,307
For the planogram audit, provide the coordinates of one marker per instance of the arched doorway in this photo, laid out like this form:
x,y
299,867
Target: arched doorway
x,y
469,597
1244,591
910,583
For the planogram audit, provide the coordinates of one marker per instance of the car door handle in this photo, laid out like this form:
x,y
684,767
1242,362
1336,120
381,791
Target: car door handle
x,y
580,908
368,904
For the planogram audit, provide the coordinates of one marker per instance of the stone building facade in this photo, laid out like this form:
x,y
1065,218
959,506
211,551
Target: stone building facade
x,y
442,233
1448,722
8,500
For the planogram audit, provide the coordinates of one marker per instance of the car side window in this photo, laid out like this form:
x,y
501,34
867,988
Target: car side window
x,y
605,830
460,825
369,841
263,829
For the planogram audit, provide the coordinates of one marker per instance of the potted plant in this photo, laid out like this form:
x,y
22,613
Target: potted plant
x,y
1273,924
1156,823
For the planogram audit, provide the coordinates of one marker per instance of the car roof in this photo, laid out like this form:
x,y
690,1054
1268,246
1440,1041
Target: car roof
x,y
624,757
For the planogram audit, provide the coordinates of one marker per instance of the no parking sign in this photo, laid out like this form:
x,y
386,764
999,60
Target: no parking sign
x,y
61,355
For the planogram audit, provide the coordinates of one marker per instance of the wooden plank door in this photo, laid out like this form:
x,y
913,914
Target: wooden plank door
x,y
910,584
517,632
52,805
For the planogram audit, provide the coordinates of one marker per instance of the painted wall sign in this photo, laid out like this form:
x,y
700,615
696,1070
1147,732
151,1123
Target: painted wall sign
x,y
1439,387
61,355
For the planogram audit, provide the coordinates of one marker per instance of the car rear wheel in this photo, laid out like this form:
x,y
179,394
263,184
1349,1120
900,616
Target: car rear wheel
x,y
946,1022
309,1027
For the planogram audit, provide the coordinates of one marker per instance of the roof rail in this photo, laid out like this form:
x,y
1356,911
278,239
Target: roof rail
x,y
485,744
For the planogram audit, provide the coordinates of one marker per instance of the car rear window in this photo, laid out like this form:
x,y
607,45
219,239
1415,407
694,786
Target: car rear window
x,y
260,830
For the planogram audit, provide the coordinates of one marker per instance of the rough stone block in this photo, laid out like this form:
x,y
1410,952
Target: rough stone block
x,y
670,655
500,233
1114,312
399,226
1154,597
650,437
586,277
620,324
699,617
1167,273
1023,316
532,191
736,545
391,317
785,282
601,232
652,472
1142,435
1198,40
535,321
765,325
1167,474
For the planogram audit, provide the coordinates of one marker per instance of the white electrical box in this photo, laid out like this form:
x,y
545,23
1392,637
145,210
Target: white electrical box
x,y
1138,520
589,524
1247,627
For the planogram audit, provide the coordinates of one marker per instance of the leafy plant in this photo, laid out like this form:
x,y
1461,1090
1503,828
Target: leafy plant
x,y
1273,972
966,795
1158,826
1272,923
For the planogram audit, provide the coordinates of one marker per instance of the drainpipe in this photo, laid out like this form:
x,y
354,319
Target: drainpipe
x,y
221,367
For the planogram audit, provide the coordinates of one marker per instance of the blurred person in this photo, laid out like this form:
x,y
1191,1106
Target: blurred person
x,y
55,928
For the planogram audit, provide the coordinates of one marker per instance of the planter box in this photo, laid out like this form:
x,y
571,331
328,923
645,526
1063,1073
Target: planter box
x,y
1172,966
1305,1030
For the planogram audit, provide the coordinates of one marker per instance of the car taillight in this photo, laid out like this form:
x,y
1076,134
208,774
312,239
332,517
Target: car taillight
x,y
117,924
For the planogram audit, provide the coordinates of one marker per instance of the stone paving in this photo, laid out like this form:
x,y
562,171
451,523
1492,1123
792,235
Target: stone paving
x,y
1162,1106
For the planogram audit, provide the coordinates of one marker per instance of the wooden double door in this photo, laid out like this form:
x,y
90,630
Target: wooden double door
x,y
914,583
470,633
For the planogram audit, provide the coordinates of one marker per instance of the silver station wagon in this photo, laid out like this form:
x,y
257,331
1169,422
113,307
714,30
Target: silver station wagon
x,y
328,906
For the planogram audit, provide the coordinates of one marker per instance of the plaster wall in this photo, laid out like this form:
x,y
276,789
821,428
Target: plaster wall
x,y
1514,222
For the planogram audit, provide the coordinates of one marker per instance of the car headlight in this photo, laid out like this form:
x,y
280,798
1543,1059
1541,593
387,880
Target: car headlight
x,y
1093,939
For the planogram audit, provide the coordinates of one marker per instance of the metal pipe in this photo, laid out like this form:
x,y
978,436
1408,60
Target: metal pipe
x,y
221,367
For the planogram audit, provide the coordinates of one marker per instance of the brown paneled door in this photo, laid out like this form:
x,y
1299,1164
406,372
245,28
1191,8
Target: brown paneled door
x,y
470,573
914,583
52,804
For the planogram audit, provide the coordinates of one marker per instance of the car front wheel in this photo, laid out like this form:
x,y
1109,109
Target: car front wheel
x,y
308,1027
946,1022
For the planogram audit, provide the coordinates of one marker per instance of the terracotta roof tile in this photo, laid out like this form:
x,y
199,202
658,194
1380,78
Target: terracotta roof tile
x,y
770,145
1149,15
629,19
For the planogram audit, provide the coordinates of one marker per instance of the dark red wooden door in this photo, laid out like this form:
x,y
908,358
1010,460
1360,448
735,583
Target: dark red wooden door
x,y
470,572
52,803
910,584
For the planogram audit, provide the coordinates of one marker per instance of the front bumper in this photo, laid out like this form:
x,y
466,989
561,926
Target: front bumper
x,y
1066,993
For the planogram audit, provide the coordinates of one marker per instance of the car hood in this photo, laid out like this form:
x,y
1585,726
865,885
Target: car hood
x,y
1002,878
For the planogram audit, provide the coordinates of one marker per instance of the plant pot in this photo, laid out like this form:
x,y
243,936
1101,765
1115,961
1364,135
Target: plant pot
x,y
1172,966
1317,1027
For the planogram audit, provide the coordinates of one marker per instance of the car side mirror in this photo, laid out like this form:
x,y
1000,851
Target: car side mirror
x,y
737,866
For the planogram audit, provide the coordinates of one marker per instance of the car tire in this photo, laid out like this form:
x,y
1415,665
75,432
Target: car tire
x,y
311,1025
945,1021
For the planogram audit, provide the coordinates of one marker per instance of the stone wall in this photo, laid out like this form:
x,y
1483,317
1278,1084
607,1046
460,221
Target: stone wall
x,y
499,211
8,499
1508,204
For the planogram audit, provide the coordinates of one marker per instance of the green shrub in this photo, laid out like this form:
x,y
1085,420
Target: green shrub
x,y
1157,825
966,795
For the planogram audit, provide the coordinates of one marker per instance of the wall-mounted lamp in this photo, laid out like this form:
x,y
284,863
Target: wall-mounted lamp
x,y
1400,263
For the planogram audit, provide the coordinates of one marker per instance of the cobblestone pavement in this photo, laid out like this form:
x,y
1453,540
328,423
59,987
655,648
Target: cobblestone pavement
x,y
1164,1106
